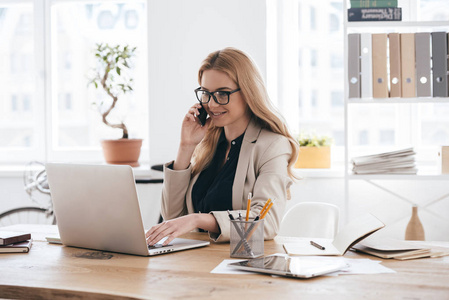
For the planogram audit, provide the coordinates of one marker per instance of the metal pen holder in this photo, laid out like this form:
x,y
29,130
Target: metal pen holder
x,y
246,239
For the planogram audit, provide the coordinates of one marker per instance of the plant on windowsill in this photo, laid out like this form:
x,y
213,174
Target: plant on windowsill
x,y
314,151
112,75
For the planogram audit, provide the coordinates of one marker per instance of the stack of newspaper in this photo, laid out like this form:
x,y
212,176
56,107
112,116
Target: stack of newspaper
x,y
395,162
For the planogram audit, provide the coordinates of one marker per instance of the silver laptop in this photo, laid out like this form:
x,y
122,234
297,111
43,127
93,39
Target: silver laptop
x,y
96,207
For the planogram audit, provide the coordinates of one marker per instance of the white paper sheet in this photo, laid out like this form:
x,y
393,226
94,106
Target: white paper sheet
x,y
364,266
223,268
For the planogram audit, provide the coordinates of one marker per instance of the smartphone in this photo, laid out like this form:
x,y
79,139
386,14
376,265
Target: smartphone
x,y
202,116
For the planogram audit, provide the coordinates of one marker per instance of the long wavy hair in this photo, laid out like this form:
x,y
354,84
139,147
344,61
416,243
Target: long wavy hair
x,y
244,72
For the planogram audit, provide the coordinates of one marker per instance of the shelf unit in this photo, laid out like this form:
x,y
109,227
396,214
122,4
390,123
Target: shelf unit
x,y
377,179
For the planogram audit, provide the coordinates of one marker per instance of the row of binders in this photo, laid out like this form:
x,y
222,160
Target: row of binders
x,y
392,65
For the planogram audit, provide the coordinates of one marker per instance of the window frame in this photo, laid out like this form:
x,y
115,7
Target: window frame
x,y
45,94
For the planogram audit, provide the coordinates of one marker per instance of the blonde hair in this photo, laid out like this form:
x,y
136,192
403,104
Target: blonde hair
x,y
244,72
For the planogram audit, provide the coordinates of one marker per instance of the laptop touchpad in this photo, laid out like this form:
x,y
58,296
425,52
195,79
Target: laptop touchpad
x,y
160,244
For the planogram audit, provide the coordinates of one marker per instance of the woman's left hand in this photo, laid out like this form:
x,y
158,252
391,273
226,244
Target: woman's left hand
x,y
170,229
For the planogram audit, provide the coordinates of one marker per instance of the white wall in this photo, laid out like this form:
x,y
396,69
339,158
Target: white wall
x,y
181,35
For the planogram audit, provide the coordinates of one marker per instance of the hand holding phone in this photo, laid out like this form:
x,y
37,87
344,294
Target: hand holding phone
x,y
202,115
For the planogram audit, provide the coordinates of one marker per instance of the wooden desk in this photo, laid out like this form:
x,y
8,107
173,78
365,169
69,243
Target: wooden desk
x,y
54,271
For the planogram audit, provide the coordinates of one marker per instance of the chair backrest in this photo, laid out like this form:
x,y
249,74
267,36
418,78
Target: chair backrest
x,y
310,219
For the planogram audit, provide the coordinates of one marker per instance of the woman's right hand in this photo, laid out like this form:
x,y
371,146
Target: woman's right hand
x,y
192,132
191,135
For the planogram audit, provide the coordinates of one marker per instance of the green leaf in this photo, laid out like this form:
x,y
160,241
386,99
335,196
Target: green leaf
x,y
118,70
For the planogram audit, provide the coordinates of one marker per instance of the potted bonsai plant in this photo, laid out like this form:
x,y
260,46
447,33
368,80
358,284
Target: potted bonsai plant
x,y
314,151
112,75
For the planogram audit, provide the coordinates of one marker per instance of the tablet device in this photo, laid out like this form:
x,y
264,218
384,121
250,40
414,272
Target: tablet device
x,y
298,267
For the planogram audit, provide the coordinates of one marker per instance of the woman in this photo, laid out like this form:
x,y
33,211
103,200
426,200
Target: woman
x,y
242,148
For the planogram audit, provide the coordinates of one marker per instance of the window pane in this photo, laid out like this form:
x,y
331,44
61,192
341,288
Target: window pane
x,y
17,95
378,126
320,70
76,29
434,124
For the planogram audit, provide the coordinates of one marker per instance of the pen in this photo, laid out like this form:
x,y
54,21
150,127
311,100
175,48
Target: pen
x,y
248,205
247,234
317,245
268,208
265,206
242,236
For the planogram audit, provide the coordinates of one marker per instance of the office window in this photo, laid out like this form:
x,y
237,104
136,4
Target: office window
x,y
26,103
363,137
314,57
59,120
312,18
20,130
374,128
386,137
318,90
334,23
337,99
336,60
14,103
314,100
339,138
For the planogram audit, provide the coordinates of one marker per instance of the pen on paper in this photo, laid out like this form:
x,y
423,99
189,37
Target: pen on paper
x,y
317,245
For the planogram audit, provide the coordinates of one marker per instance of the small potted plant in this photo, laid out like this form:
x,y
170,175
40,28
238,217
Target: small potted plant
x,y
314,151
112,75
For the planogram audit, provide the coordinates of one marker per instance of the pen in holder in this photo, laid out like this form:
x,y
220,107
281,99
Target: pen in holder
x,y
246,238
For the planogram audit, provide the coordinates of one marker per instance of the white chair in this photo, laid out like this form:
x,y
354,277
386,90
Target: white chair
x,y
310,219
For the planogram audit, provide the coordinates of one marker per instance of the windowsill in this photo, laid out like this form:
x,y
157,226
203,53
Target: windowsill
x,y
142,172
333,172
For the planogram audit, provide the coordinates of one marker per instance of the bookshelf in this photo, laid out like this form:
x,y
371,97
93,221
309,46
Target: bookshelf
x,y
411,25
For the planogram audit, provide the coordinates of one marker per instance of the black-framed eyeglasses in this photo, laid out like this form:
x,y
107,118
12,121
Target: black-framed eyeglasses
x,y
220,97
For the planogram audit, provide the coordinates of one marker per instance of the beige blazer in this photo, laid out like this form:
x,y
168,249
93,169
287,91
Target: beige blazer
x,y
261,170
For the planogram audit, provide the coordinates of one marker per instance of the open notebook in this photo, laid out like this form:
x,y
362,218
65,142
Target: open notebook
x,y
351,234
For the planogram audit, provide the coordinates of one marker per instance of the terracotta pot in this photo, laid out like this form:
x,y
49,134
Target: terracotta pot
x,y
314,157
122,151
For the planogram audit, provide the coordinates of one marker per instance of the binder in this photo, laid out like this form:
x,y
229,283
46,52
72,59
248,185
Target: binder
x,y
395,65
354,65
379,49
408,65
366,64
422,51
439,64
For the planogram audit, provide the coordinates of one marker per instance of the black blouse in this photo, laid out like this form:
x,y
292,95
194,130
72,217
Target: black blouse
x,y
213,189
